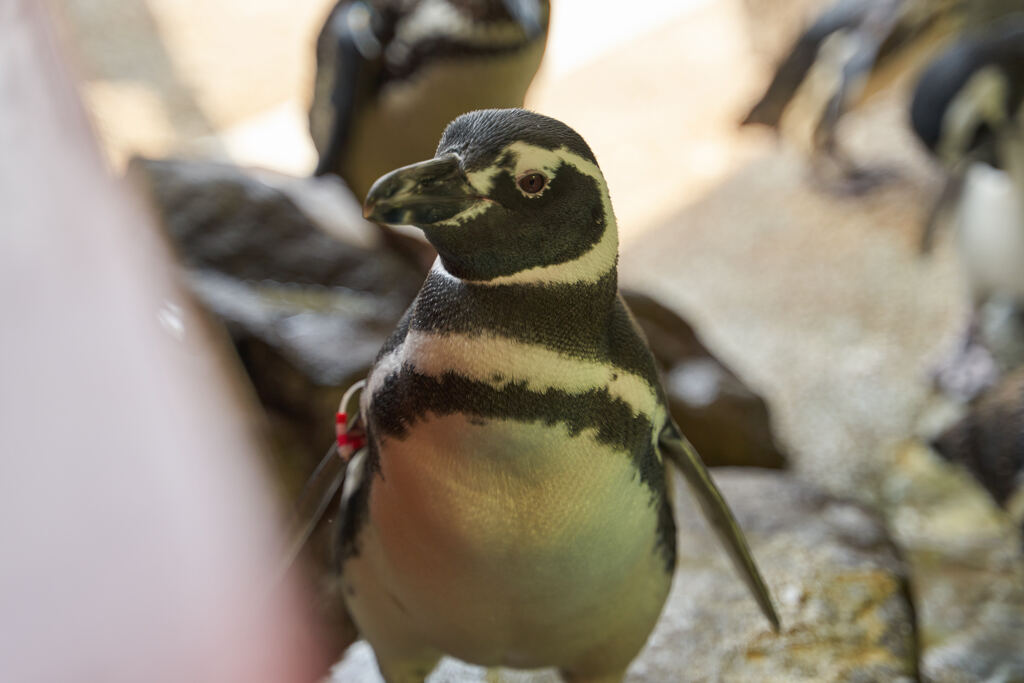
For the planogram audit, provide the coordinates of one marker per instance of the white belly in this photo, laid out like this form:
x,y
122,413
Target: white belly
x,y
530,554
990,230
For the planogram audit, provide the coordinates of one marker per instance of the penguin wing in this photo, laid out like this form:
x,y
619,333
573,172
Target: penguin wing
x,y
348,58
346,455
675,446
843,15
321,487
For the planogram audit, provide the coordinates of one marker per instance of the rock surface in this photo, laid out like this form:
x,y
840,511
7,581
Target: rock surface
x,y
989,442
967,576
838,580
724,418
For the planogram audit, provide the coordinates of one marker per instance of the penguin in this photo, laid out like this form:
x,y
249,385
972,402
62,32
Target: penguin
x,y
988,441
853,50
509,500
966,110
391,73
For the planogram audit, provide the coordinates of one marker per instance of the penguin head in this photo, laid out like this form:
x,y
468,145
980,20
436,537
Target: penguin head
x,y
423,31
510,196
969,93
530,15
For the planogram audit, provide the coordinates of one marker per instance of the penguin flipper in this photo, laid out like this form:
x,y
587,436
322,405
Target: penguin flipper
x,y
941,210
682,454
321,487
790,75
330,475
348,53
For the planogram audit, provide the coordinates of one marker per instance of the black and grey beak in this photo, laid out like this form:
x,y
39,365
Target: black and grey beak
x,y
528,14
420,194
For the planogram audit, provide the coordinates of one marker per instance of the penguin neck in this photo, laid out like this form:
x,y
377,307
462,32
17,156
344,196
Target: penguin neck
x,y
568,317
597,287
595,263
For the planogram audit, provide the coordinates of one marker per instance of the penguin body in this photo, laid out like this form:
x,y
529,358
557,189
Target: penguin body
x,y
512,506
966,109
989,227
391,73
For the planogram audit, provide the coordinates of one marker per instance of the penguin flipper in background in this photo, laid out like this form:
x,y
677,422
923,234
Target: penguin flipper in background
x,y
854,49
791,73
681,453
349,59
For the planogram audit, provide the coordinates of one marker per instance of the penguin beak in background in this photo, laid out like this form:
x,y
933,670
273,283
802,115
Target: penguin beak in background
x,y
420,194
527,13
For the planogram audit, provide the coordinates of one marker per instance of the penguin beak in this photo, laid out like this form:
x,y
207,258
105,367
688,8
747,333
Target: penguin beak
x,y
420,194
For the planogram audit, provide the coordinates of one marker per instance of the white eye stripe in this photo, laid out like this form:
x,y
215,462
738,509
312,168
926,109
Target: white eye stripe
x,y
483,181
532,158
590,266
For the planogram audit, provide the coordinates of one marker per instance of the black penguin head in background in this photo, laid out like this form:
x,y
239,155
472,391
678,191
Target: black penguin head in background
x,y
971,91
508,191
531,15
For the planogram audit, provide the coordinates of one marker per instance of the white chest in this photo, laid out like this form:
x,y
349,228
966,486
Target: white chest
x,y
990,232
512,543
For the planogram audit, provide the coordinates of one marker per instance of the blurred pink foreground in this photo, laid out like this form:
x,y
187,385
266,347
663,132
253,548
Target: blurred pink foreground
x,y
137,537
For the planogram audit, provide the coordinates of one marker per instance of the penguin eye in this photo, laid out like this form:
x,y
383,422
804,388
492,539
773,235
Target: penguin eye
x,y
532,183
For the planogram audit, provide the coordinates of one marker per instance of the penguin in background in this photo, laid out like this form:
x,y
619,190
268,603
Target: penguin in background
x,y
966,110
506,496
852,51
391,73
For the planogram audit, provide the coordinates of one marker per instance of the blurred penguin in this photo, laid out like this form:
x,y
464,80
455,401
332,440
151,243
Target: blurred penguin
x,y
391,74
966,110
989,442
853,50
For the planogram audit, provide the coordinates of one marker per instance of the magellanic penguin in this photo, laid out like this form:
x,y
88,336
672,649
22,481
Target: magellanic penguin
x,y
853,50
512,505
967,111
391,73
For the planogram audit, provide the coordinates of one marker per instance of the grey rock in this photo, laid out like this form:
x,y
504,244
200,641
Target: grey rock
x,y
838,581
966,567
989,441
722,416
839,584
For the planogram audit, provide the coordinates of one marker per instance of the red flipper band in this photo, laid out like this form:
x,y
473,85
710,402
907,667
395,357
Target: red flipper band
x,y
344,438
